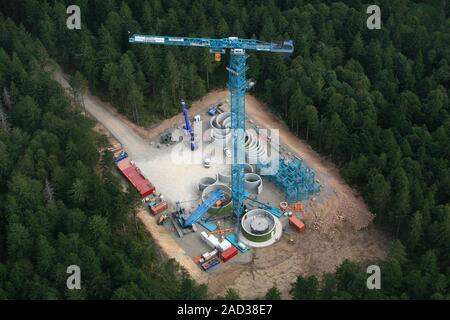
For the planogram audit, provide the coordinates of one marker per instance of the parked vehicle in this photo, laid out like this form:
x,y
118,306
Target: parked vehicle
x,y
211,263
162,218
207,162
212,110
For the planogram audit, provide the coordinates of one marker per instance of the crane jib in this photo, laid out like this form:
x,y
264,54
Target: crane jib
x,y
148,39
216,44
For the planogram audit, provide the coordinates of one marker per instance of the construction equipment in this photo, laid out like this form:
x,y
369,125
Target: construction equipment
x,y
237,84
165,138
221,231
212,110
250,84
121,156
210,263
162,218
208,256
176,226
194,145
188,220
217,108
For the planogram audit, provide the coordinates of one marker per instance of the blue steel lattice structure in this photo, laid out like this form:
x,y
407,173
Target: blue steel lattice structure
x,y
295,179
237,93
237,81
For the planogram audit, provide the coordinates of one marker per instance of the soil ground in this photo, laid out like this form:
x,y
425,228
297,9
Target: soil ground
x,y
338,221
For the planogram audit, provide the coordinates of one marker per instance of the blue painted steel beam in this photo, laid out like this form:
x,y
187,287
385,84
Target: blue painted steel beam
x,y
203,208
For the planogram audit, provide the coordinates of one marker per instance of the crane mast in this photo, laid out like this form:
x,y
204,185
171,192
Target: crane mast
x,y
237,84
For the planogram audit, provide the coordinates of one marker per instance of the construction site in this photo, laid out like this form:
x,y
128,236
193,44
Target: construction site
x,y
192,197
230,193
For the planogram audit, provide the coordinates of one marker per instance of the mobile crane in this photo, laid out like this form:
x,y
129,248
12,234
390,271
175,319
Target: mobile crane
x,y
194,145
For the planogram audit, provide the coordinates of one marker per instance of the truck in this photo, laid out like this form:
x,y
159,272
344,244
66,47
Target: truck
x,y
211,263
217,107
212,110
250,84
121,156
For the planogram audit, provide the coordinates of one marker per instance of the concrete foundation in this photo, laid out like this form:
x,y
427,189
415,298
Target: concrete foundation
x,y
253,183
258,225
205,182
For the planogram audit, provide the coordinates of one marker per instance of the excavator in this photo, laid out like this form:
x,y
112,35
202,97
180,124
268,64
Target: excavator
x,y
162,218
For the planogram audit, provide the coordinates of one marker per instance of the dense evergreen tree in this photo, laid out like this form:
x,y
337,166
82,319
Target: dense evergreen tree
x,y
56,208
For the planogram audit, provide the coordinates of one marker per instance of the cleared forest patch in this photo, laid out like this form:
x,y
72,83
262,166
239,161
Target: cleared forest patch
x,y
338,221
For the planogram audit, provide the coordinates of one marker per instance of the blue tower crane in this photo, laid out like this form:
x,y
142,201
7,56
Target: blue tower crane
x,y
188,126
237,84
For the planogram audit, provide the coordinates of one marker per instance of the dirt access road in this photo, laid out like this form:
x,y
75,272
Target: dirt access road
x,y
122,131
338,222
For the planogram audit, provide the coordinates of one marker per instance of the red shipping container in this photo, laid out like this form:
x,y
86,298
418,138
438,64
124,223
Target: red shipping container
x,y
148,190
229,253
123,164
297,223
158,208
139,182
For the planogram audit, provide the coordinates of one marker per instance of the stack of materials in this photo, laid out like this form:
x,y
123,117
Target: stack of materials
x,y
255,148
221,129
